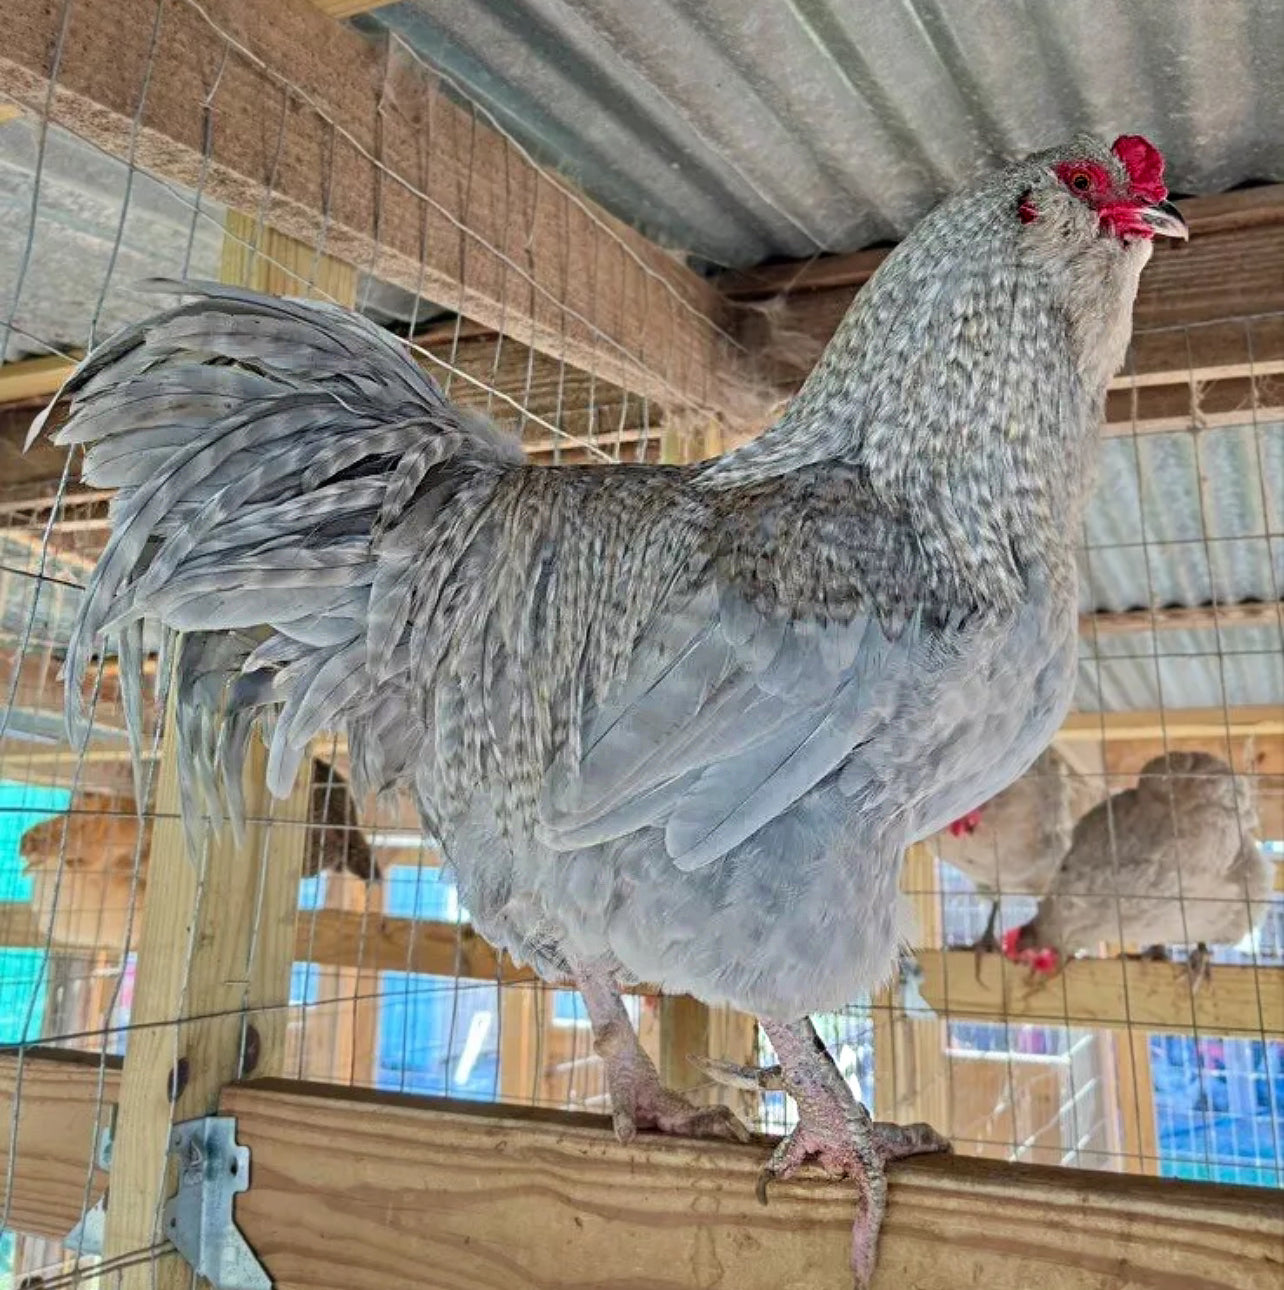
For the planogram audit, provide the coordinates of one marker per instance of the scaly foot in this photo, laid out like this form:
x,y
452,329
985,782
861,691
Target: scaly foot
x,y
638,1099
833,1130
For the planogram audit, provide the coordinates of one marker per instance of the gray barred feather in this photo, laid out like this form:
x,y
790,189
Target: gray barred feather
x,y
678,720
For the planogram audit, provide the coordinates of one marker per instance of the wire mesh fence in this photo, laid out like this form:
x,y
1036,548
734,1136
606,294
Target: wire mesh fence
x,y
1093,1059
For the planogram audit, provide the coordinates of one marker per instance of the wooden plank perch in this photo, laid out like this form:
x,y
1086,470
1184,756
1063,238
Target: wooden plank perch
x,y
350,146
1261,720
357,1191
1117,994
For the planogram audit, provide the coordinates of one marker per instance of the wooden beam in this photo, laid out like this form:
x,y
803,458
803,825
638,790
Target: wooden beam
x,y
1247,1000
341,1181
335,937
1135,1099
1221,213
32,380
351,146
256,255
911,1071
1181,619
1116,994
55,1101
1194,320
215,954
544,1199
348,8
1233,722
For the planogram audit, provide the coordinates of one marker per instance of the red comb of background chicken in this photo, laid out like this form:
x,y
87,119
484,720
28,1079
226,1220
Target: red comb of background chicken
x,y
965,824
1044,960
1144,163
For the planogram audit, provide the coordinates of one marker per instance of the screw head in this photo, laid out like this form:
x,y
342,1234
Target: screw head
x,y
177,1079
251,1052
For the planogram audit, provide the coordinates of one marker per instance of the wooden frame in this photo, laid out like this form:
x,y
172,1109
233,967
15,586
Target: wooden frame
x,y
1114,994
324,136
343,1183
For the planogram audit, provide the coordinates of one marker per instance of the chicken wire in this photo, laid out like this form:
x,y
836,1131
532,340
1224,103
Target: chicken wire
x,y
1186,515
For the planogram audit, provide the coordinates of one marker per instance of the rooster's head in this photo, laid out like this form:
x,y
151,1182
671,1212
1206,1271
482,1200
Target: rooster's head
x,y
1085,191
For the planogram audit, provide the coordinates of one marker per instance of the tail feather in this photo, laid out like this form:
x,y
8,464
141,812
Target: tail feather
x,y
262,448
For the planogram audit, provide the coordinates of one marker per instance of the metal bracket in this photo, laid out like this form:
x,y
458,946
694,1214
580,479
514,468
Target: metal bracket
x,y
912,1001
86,1238
212,1169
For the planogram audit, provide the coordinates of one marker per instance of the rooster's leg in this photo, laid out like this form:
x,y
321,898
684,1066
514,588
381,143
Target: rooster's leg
x,y
1199,965
638,1099
838,1133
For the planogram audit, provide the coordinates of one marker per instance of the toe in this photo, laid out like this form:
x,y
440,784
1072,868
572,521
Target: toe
x,y
626,1128
899,1141
721,1122
864,1254
753,1079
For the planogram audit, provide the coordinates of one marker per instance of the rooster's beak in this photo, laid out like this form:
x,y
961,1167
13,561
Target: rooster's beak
x,y
1166,220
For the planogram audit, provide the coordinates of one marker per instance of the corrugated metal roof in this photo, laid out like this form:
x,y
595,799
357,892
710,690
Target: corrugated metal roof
x,y
1167,676
719,127
742,131
1186,519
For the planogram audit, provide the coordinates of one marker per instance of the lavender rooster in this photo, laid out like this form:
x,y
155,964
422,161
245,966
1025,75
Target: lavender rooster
x,y
668,724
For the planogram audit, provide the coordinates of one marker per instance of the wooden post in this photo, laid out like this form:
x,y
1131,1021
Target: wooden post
x,y
1135,1097
521,1031
212,981
215,958
684,1033
911,1071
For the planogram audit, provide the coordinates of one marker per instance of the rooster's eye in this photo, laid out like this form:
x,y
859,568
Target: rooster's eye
x,y
1080,182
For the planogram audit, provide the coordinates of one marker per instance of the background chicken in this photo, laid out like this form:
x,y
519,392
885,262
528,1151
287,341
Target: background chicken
x,y
82,863
671,724
1170,862
1013,844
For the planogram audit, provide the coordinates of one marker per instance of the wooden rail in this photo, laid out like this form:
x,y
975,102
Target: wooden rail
x,y
357,1191
1115,994
1261,720
1146,996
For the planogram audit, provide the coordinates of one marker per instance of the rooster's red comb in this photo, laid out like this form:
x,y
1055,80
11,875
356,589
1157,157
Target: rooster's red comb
x,y
1009,942
1144,164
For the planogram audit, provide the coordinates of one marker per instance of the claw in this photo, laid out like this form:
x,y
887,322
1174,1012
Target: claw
x,y
791,1152
626,1128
